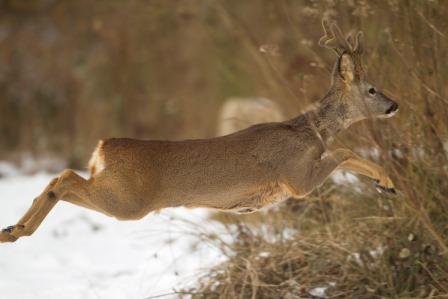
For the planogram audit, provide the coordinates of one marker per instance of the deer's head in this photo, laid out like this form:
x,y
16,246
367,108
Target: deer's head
x,y
359,98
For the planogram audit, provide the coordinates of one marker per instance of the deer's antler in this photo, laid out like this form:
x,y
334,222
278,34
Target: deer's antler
x,y
333,39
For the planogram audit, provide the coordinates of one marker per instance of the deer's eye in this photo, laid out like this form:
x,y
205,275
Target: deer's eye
x,y
372,90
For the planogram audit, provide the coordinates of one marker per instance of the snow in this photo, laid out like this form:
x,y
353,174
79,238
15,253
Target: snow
x,y
343,177
7,169
77,253
319,292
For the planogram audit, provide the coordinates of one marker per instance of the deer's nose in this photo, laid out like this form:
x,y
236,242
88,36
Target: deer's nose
x,y
392,108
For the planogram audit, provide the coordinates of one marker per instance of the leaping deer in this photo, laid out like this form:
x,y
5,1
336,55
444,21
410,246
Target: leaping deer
x,y
241,172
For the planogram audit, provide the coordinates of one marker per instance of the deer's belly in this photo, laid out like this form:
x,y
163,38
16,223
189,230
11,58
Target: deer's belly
x,y
267,196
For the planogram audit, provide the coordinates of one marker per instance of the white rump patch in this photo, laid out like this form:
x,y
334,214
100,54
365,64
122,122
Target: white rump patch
x,y
96,163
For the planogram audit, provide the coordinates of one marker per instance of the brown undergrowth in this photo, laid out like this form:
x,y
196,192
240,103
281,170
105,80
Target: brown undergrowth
x,y
349,240
355,245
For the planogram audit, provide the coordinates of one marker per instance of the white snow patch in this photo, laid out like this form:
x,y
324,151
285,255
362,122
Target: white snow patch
x,y
369,152
356,257
343,177
289,233
8,169
77,253
319,292
375,253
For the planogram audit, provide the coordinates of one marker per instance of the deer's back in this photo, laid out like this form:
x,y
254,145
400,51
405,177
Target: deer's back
x,y
232,166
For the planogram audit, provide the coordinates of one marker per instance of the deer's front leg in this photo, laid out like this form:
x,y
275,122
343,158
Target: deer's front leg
x,y
302,178
305,178
367,168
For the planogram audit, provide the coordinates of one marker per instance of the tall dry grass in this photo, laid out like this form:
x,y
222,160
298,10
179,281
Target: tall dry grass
x,y
351,240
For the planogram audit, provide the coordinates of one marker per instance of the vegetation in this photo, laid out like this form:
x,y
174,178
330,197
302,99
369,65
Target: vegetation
x,y
72,72
354,242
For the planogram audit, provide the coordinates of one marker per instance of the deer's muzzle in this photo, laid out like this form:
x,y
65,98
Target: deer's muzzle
x,y
392,109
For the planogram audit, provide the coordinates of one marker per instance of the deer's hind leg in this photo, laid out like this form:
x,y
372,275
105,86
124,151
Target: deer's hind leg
x,y
68,186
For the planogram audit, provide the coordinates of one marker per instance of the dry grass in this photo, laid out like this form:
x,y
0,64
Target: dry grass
x,y
357,245
361,244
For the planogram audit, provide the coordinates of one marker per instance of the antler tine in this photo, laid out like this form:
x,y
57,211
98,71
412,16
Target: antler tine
x,y
351,40
357,46
333,38
328,36
341,41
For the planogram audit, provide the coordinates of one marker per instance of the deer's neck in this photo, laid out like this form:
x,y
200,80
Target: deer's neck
x,y
329,118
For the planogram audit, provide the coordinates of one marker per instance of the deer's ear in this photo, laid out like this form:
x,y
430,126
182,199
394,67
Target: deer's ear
x,y
346,68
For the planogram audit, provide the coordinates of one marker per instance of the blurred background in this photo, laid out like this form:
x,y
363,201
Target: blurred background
x,y
72,72
76,71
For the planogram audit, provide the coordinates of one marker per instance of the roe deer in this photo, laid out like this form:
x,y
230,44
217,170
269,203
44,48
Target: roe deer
x,y
240,172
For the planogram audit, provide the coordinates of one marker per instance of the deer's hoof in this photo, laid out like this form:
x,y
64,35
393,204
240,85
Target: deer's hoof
x,y
8,229
382,189
5,235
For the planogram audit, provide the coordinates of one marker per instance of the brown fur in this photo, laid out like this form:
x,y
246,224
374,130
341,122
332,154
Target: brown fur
x,y
240,172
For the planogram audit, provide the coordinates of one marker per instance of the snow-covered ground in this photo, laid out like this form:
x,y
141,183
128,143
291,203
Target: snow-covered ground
x,y
77,253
